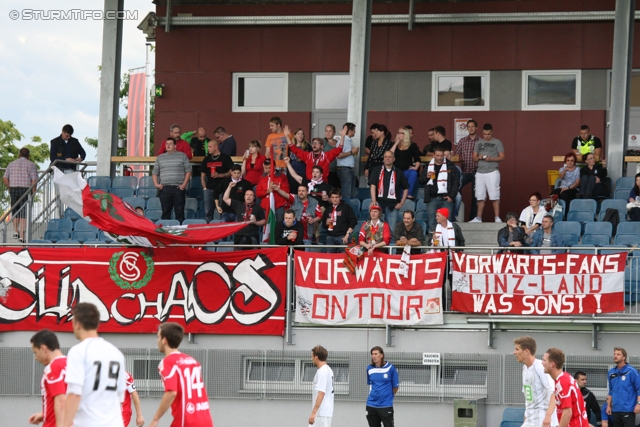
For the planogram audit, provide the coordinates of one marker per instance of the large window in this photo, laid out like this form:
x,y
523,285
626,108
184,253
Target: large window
x,y
460,91
331,91
260,92
551,90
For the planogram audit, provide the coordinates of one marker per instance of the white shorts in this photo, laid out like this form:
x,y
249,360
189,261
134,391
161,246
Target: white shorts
x,y
321,422
488,183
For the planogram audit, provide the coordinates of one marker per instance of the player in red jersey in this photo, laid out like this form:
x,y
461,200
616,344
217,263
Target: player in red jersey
x,y
130,394
46,349
569,402
181,375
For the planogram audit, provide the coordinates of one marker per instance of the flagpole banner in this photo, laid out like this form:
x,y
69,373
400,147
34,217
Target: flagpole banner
x,y
538,284
136,289
378,293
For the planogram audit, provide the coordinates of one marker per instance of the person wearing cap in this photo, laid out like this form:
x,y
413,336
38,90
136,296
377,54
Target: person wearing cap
x,y
512,235
446,234
267,185
374,233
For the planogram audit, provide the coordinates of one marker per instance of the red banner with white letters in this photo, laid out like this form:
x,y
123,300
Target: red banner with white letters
x,y
378,293
136,289
538,284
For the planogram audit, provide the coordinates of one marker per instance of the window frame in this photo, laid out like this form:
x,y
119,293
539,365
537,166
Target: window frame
x,y
551,107
434,90
234,93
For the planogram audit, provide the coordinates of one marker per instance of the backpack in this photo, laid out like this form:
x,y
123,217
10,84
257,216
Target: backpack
x,y
612,216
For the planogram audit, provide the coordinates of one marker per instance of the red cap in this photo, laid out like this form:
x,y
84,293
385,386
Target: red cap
x,y
444,212
372,207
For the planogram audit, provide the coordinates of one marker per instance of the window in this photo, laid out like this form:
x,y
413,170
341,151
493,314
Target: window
x,y
290,375
460,91
260,92
331,91
551,90
146,375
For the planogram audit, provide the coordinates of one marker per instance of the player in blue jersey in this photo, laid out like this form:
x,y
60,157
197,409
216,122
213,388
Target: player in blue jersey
x,y
382,378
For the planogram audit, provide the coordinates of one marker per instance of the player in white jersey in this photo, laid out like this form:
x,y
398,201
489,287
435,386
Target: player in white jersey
x,y
95,375
322,399
537,387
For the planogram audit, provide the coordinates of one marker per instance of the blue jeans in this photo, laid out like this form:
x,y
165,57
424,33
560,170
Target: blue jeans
x,y
435,204
345,176
468,178
412,178
334,240
228,217
209,205
391,216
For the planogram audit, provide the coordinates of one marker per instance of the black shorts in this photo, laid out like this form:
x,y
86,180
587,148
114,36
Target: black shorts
x,y
16,193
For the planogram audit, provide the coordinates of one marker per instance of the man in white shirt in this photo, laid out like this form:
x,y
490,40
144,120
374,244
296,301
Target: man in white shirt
x,y
538,387
95,375
322,400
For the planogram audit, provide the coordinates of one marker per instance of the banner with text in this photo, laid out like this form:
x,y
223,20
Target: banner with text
x,y
377,294
135,289
538,284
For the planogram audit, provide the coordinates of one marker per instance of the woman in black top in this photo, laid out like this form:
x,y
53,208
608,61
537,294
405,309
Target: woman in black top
x,y
381,143
592,178
407,158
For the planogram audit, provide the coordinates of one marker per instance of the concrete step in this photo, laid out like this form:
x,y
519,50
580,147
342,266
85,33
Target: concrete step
x,y
481,233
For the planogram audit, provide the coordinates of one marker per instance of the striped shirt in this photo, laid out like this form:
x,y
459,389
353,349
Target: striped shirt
x,y
171,168
21,173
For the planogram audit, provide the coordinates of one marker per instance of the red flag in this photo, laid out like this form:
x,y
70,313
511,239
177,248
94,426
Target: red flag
x,y
110,214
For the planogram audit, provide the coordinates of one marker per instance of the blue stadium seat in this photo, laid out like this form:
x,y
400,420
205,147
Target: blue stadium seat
x,y
421,205
82,236
422,216
570,231
513,414
423,224
628,227
71,214
596,239
606,251
147,182
364,215
147,193
605,228
625,182
408,205
122,192
153,214
583,205
210,248
511,424
363,193
40,241
626,239
190,207
55,235
225,247
582,217
99,183
68,242
84,225
365,206
167,222
355,205
359,225
621,194
196,193
631,288
60,225
617,204
124,182
193,221
196,182
582,249
135,202
154,203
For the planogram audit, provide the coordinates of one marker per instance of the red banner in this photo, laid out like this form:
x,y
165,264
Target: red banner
x,y
378,293
135,289
538,284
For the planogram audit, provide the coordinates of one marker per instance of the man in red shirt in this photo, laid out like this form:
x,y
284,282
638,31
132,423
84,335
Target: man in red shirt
x,y
46,350
569,403
181,145
317,157
267,185
181,374
130,394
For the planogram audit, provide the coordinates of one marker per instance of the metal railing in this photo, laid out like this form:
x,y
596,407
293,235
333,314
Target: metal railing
x,y
38,205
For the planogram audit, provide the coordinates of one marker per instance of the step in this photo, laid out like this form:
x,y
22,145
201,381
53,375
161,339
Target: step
x,y
481,233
